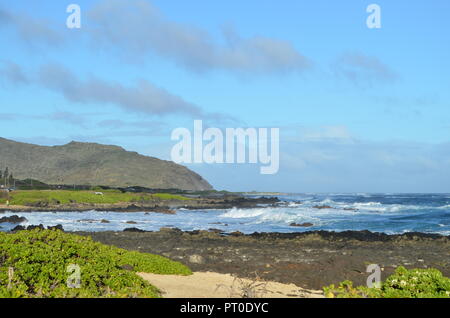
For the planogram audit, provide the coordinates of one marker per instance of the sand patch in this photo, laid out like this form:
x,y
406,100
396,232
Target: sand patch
x,y
215,285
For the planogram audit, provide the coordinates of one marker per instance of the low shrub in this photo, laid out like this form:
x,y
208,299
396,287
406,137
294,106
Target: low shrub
x,y
35,263
414,283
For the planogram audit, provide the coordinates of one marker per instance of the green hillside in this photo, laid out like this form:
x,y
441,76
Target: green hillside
x,y
95,164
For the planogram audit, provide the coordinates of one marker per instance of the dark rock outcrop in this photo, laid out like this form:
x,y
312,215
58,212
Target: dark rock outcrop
x,y
133,229
322,207
306,224
13,219
33,227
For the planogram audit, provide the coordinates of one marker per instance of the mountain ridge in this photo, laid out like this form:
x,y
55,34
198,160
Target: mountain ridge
x,y
95,164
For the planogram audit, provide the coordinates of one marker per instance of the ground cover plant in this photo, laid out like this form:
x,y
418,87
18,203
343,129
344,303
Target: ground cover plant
x,y
404,283
40,263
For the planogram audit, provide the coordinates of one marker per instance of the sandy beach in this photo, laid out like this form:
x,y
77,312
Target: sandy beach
x,y
216,285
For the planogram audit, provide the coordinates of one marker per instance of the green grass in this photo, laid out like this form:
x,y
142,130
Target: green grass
x,y
414,283
40,258
56,197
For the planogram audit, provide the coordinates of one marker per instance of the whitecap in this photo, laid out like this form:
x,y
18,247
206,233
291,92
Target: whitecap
x,y
236,213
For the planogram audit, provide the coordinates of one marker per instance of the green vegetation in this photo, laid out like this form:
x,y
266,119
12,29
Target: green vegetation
x,y
57,197
415,283
34,264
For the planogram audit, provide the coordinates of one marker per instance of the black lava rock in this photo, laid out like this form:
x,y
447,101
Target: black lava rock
x,y
14,219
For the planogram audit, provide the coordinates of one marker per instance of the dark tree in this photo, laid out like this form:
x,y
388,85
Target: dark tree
x,y
5,176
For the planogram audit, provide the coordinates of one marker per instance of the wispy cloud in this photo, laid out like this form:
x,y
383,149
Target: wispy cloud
x,y
69,118
9,116
123,128
143,97
31,30
363,70
13,73
325,133
75,119
145,30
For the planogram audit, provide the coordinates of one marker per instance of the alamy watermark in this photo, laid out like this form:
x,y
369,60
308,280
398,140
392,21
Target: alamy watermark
x,y
235,145
374,279
74,19
374,19
74,279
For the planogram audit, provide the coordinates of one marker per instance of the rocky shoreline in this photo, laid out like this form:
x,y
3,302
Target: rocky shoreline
x,y
309,259
161,206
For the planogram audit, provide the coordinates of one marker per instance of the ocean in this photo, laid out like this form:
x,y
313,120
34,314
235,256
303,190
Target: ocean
x,y
387,213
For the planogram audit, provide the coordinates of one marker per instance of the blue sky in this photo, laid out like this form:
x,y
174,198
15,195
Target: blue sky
x,y
359,109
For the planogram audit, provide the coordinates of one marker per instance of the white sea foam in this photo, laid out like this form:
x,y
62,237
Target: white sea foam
x,y
236,213
280,215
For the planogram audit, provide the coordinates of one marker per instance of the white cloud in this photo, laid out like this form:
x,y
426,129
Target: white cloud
x,y
144,30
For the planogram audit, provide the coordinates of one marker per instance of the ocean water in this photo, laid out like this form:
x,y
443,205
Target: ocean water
x,y
388,213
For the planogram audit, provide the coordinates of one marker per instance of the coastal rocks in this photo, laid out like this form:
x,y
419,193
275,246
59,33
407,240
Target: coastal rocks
x,y
242,202
217,231
56,227
27,228
33,227
171,230
306,224
131,222
140,208
196,259
163,210
87,221
133,229
18,228
219,223
229,202
322,207
14,219
93,221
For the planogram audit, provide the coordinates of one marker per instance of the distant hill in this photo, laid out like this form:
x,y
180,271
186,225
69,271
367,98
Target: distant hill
x,y
95,164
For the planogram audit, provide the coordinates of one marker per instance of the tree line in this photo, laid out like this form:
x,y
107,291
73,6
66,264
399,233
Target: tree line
x,y
6,178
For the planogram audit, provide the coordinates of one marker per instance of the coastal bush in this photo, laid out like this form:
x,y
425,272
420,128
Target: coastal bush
x,y
35,263
414,283
44,198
